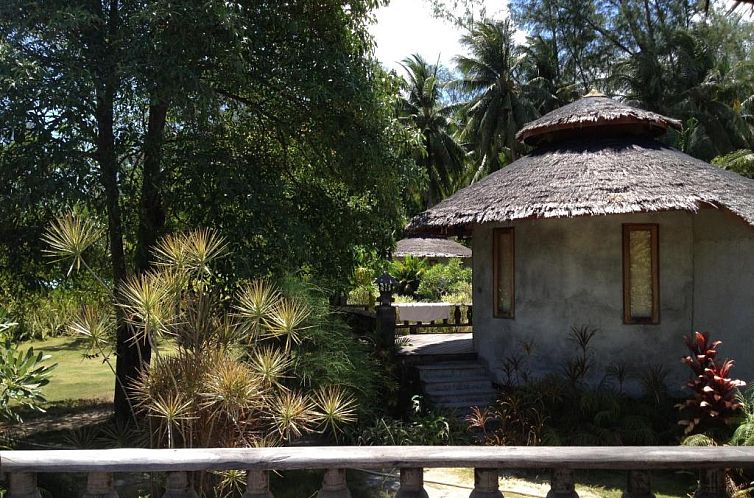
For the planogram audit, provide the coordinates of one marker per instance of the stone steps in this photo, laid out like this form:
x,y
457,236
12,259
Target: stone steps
x,y
457,385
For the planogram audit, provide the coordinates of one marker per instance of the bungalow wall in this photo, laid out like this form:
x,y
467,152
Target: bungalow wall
x,y
724,285
569,273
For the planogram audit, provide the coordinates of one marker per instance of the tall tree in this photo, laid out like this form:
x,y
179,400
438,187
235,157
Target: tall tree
x,y
422,107
120,90
497,108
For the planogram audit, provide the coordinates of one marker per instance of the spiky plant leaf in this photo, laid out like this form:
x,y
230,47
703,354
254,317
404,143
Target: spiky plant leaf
x,y
255,302
68,237
97,326
204,246
292,414
270,365
147,303
232,388
287,321
335,409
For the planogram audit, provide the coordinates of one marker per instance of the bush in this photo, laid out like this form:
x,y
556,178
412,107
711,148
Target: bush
x,y
712,404
22,375
409,272
446,279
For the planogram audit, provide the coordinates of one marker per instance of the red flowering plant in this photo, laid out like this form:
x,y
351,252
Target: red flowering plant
x,y
713,401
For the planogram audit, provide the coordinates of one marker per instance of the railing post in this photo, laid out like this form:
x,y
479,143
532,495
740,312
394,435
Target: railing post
x,y
485,484
562,484
334,485
711,484
177,486
469,314
257,484
385,325
100,485
22,485
639,485
412,484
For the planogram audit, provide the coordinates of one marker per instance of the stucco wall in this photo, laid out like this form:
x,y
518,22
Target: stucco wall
x,y
569,273
724,285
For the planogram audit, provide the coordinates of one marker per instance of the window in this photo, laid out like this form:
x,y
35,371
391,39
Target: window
x,y
503,271
641,281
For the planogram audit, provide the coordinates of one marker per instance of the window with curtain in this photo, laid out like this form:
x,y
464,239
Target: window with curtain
x,y
641,282
503,270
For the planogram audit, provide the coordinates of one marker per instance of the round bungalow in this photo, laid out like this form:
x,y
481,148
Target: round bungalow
x,y
604,226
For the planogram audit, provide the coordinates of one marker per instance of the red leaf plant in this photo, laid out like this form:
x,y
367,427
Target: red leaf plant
x,y
713,394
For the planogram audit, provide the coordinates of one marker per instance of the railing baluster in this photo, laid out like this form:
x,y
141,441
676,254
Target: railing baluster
x,y
412,484
639,485
562,484
485,484
23,485
177,486
258,484
334,485
100,485
711,484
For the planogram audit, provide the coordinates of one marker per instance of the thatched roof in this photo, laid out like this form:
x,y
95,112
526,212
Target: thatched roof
x,y
591,177
431,248
594,114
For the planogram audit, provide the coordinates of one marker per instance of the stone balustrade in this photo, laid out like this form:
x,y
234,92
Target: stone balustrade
x,y
21,467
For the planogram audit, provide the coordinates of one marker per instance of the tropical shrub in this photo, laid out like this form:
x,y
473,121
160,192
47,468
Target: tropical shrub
x,y
267,364
713,403
409,272
443,279
22,375
422,427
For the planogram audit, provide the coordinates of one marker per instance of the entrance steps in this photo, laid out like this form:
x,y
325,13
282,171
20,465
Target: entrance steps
x,y
456,385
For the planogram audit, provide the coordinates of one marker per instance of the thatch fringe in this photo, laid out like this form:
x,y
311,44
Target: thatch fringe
x,y
600,177
595,114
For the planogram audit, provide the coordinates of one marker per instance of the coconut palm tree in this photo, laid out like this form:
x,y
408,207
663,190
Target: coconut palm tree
x,y
497,108
422,107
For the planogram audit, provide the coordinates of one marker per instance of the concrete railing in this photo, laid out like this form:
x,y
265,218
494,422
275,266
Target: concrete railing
x,y
21,467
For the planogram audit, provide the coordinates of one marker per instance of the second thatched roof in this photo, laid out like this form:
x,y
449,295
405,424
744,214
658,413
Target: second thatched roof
x,y
593,115
591,177
431,248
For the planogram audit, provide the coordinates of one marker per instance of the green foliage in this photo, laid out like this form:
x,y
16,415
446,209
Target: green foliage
x,y
741,161
422,109
421,428
444,280
496,108
22,375
409,272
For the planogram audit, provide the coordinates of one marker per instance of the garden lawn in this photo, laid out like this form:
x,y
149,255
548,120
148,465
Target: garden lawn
x,y
76,377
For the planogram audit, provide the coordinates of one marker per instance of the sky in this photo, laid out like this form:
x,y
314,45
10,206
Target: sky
x,y
407,26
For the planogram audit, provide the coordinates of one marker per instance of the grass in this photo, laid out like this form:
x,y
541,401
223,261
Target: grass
x,y
76,377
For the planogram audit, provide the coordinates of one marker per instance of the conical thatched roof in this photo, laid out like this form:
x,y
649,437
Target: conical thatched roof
x,y
591,177
596,156
431,248
594,114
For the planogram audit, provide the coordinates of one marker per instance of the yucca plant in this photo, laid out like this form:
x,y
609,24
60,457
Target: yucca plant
x,y
336,409
288,321
713,402
69,237
255,302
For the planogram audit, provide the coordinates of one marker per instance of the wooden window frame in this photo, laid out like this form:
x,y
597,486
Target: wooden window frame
x,y
496,272
654,230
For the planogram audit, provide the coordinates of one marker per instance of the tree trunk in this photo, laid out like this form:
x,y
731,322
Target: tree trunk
x,y
128,361
151,212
